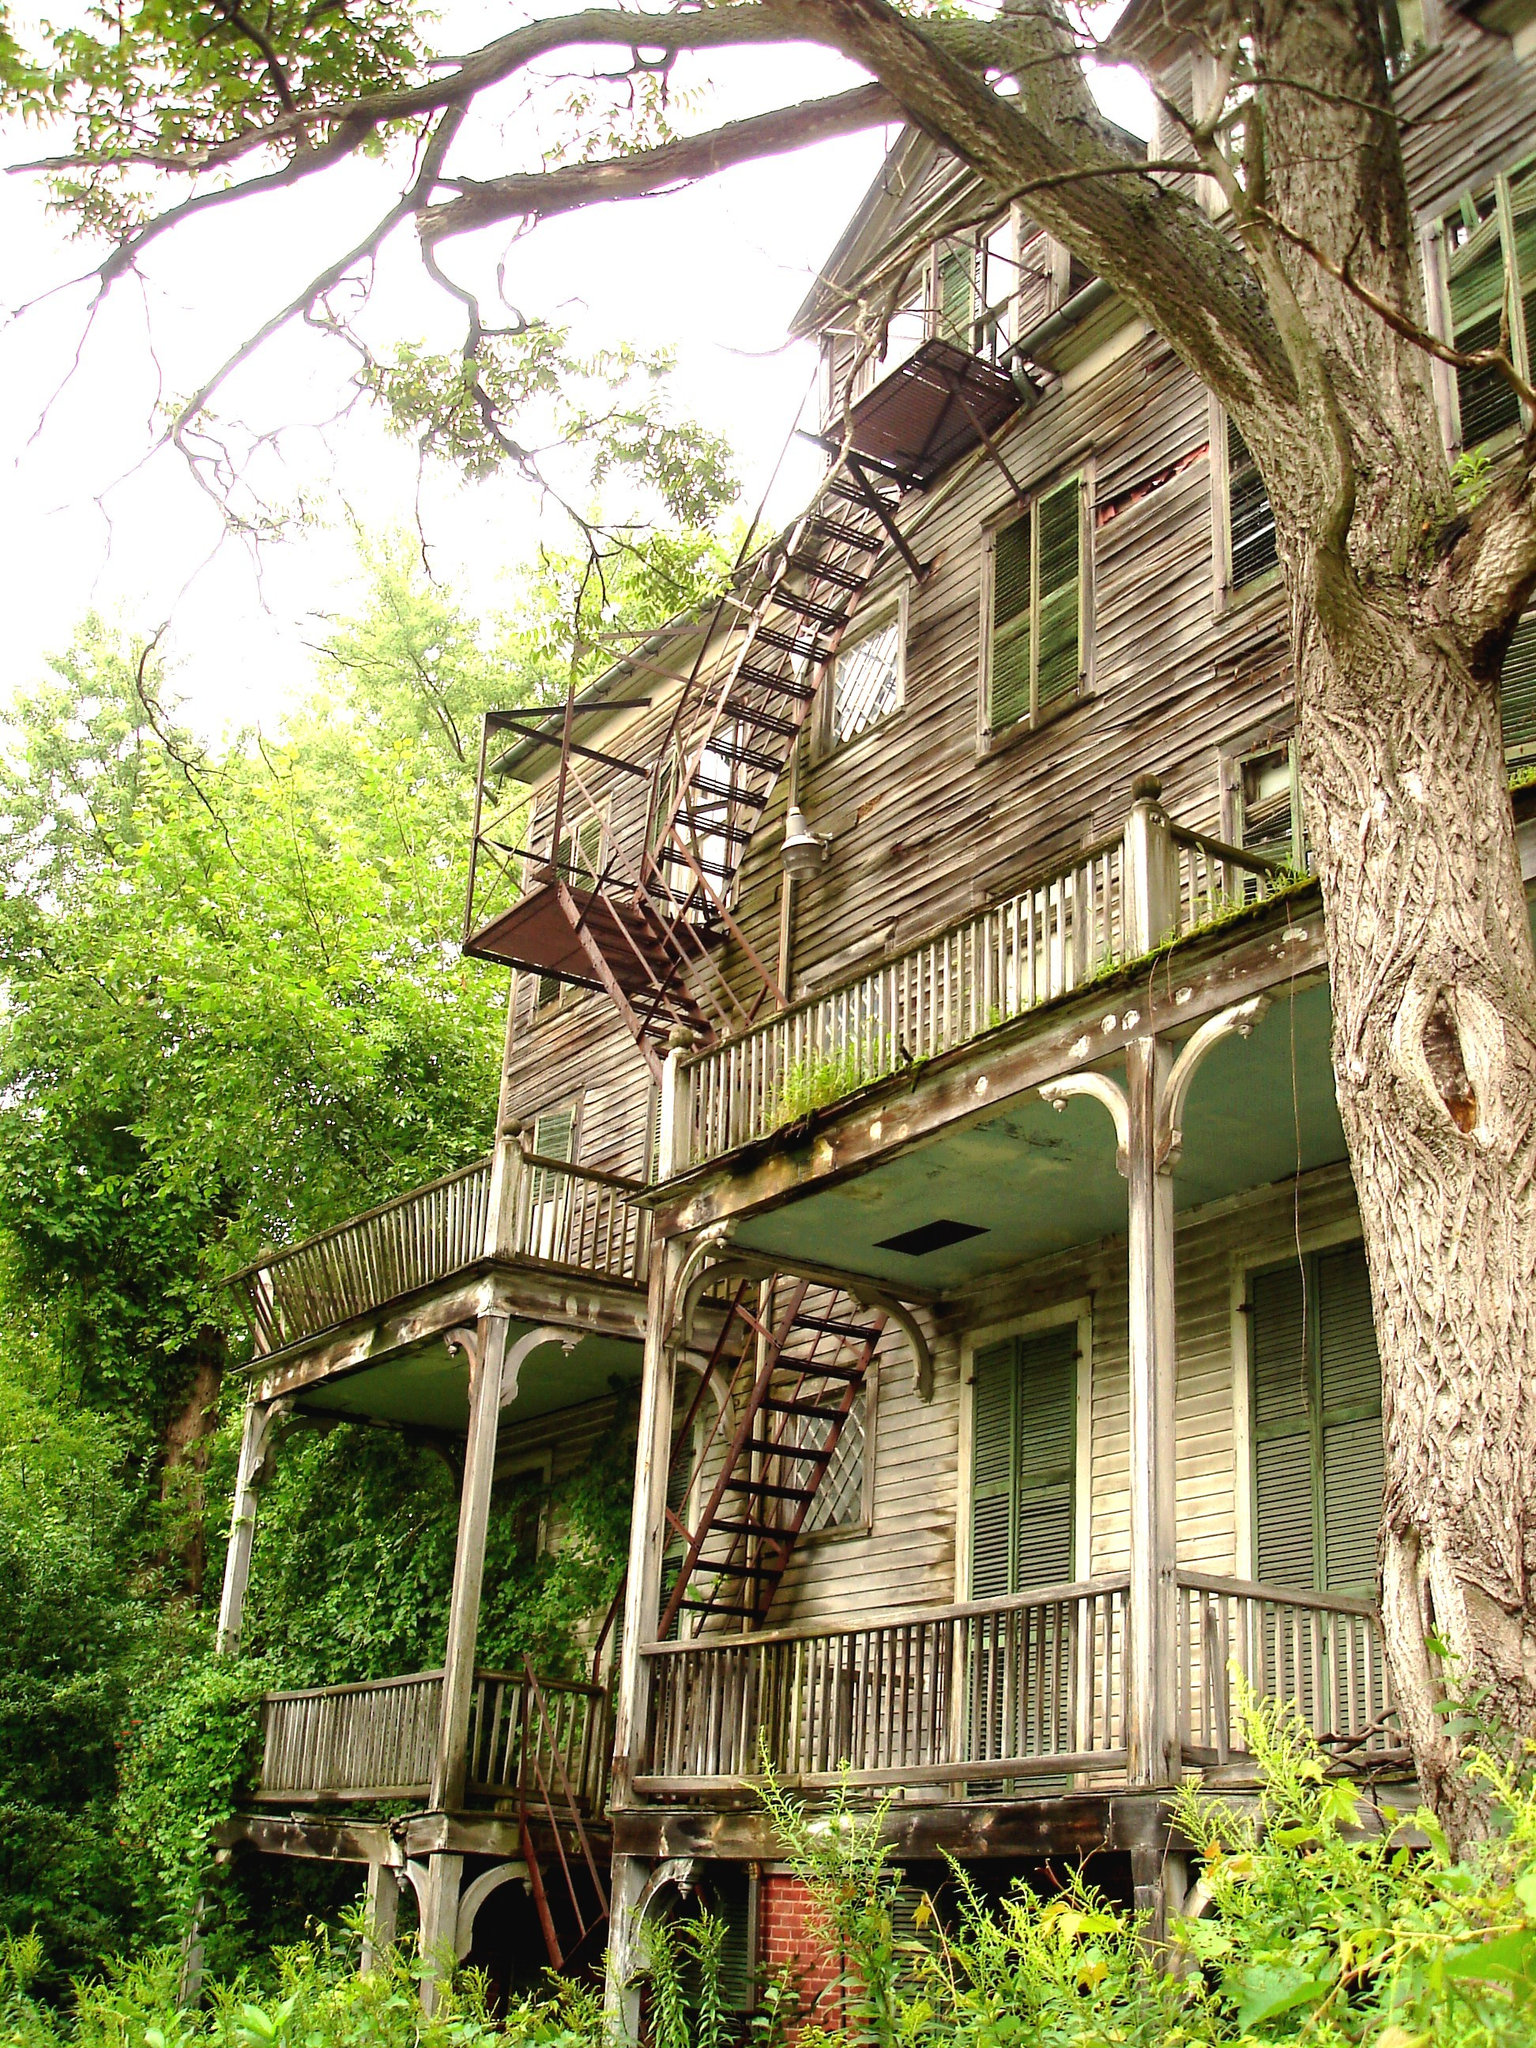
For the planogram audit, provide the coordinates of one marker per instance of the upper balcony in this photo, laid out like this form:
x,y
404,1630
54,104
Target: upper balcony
x,y
1066,929
508,1234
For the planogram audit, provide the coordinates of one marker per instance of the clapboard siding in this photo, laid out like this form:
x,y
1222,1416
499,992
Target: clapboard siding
x,y
580,1049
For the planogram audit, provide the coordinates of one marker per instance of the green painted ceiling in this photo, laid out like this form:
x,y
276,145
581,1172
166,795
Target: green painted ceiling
x,y
428,1387
1039,1180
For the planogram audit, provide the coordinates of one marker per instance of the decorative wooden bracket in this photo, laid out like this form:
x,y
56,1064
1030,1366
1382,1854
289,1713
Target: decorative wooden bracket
x,y
1237,1021
867,1293
1101,1089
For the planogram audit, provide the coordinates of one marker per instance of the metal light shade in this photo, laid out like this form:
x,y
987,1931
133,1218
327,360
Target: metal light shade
x,y
804,850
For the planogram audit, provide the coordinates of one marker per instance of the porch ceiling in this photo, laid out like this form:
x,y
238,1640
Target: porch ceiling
x,y
428,1387
1036,1180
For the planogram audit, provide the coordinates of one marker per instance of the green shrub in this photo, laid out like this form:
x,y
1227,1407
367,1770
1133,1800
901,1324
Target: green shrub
x,y
1315,1921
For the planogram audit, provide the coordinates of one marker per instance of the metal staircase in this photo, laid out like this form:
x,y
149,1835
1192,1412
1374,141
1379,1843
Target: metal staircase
x,y
641,911
802,1356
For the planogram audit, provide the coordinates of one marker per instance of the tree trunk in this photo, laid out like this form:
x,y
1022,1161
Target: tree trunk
x,y
1434,999
184,1462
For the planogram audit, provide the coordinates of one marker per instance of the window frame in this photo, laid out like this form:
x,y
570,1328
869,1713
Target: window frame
x,y
564,993
882,613
863,1522
1246,1267
1437,256
992,738
1235,755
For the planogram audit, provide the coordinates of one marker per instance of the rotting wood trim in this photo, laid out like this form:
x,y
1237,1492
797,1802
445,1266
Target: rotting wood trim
x,y
995,1768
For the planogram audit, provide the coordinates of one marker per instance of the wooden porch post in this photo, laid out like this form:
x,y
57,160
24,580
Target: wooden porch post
x,y
1152,903
1150,1729
255,1438
501,1209
487,1355
382,1904
439,1903
647,1541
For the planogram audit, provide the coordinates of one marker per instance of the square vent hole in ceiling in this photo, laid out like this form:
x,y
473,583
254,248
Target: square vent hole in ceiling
x,y
930,1237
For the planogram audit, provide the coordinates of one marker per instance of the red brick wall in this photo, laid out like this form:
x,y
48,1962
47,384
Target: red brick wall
x,y
792,1933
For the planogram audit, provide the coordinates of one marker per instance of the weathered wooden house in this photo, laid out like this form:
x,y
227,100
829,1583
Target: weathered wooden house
x,y
928,930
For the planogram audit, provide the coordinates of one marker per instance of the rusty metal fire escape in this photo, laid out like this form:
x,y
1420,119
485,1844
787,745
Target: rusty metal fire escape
x,y
798,1355
639,909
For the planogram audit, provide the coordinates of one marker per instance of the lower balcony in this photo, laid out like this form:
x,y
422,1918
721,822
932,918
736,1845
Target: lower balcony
x,y
1036,1687
355,1745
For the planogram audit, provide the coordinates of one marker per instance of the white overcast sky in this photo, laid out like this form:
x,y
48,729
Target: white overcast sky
x,y
714,272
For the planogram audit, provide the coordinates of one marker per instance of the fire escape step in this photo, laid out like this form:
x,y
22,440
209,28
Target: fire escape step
x,y
829,572
808,1453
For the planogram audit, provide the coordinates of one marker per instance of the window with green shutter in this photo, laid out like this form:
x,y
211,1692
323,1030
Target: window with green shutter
x,y
577,860
1035,660
1023,1462
1315,1403
955,294
1491,282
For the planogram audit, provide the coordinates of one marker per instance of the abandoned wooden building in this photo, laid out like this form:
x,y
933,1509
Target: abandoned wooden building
x,y
919,1043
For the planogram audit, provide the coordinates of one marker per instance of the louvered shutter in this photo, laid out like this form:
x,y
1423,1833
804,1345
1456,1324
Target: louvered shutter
x,y
1045,1458
992,1471
1060,601
1517,695
1349,1373
1251,524
1023,1457
1008,683
956,292
1280,1377
554,1133
1477,280
673,1549
1522,206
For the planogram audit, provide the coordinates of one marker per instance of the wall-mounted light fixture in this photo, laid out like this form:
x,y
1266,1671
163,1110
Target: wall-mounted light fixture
x,y
804,850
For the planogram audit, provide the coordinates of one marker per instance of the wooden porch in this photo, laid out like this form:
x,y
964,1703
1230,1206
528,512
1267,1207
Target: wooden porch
x,y
353,1745
1146,887
985,1695
512,1206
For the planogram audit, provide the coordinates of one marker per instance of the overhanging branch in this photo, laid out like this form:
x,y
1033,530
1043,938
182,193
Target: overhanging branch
x,y
539,194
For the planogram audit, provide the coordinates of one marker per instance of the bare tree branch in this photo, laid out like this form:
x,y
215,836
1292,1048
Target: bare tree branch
x,y
540,194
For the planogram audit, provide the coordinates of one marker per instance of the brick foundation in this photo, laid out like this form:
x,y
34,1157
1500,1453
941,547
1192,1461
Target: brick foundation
x,y
792,1934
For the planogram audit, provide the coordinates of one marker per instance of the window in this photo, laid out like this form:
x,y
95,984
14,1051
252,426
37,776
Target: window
x,y
1403,34
975,282
838,1502
1267,803
1035,651
1023,1462
1490,243
1251,551
866,681
1315,1403
577,861
549,1192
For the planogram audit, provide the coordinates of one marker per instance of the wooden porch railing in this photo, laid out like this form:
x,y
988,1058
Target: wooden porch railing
x,y
557,1213
1320,1650
336,1744
1022,1689
982,1691
1045,940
